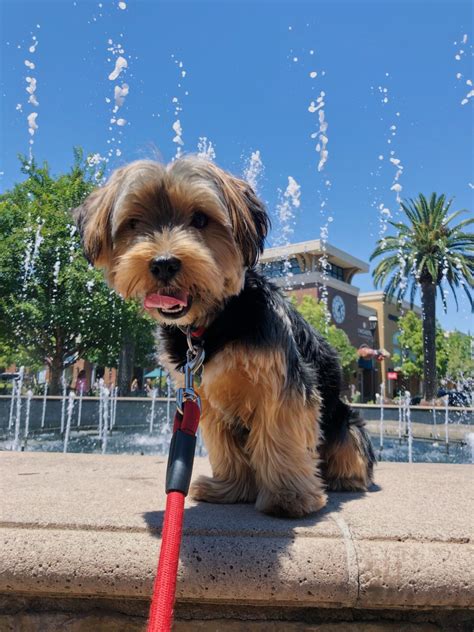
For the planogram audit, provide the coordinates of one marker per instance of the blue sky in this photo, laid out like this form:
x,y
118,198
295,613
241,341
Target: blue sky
x,y
248,87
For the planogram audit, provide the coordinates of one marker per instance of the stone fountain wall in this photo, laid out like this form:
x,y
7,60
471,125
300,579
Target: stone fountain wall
x,y
132,412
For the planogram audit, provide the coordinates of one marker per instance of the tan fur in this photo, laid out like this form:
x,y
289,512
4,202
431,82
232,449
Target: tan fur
x,y
345,466
233,478
94,217
240,199
278,463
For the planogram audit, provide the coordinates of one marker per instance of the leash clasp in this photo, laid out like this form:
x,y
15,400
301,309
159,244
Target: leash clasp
x,y
194,361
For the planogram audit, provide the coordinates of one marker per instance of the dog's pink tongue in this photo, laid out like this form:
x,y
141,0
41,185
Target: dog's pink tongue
x,y
152,301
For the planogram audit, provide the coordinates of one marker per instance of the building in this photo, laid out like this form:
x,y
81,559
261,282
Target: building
x,y
388,314
366,319
298,269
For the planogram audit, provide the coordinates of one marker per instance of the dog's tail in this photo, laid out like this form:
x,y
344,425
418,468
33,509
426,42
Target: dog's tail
x,y
347,455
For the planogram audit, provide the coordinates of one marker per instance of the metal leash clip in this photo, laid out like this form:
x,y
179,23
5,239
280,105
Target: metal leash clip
x,y
194,361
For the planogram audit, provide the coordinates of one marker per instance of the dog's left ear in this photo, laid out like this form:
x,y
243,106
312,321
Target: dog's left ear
x,y
249,217
93,219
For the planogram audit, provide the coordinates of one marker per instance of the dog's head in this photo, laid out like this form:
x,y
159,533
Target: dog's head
x,y
177,237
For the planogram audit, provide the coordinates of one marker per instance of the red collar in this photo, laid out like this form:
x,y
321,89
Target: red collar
x,y
198,332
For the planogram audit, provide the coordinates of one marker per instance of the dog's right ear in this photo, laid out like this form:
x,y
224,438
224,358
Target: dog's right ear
x,y
93,218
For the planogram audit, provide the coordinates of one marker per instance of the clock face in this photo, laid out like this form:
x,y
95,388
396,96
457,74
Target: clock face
x,y
338,309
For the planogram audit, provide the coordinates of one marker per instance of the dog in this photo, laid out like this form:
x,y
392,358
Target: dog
x,y
185,240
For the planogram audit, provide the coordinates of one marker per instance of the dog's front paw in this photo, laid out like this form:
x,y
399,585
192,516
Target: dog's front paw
x,y
290,504
213,490
201,489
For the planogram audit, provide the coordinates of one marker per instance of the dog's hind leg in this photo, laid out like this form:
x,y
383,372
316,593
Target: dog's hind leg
x,y
348,459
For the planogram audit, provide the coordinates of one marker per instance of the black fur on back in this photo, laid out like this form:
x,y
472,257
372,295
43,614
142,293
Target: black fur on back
x,y
261,317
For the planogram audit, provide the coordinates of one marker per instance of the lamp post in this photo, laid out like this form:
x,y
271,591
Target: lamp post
x,y
373,321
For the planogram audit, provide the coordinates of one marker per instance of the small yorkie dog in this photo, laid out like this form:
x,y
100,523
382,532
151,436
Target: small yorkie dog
x,y
185,239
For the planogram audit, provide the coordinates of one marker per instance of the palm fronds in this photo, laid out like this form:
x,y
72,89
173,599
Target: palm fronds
x,y
426,248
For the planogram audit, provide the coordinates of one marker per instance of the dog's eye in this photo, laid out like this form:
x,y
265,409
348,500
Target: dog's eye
x,y
132,223
200,220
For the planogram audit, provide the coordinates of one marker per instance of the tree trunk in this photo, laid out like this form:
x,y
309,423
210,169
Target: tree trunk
x,y
55,386
428,302
126,364
57,365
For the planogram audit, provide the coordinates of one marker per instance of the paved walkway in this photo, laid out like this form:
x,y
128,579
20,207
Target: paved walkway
x,y
88,525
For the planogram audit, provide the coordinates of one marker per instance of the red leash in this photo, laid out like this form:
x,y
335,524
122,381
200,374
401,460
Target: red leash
x,y
164,589
178,477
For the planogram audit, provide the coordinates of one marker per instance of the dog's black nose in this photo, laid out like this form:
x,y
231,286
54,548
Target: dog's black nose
x,y
165,268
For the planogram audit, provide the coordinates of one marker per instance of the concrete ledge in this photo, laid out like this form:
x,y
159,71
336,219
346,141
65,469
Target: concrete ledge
x,y
87,527
456,432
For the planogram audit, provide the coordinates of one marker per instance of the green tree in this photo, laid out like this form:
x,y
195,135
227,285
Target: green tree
x,y
316,314
18,356
427,250
410,342
459,358
53,305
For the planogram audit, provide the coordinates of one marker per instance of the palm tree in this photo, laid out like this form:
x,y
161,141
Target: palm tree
x,y
427,252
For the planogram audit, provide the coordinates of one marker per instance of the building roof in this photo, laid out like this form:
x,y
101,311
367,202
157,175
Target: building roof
x,y
379,296
336,256
365,310
298,281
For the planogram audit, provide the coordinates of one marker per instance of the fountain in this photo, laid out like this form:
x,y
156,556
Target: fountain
x,y
29,397
12,404
409,427
63,401
101,405
382,399
16,442
165,428
70,408
144,426
470,443
446,421
400,410
253,170
114,406
79,407
105,417
45,395
152,411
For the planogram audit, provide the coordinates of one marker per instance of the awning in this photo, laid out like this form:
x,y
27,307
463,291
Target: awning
x,y
154,373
